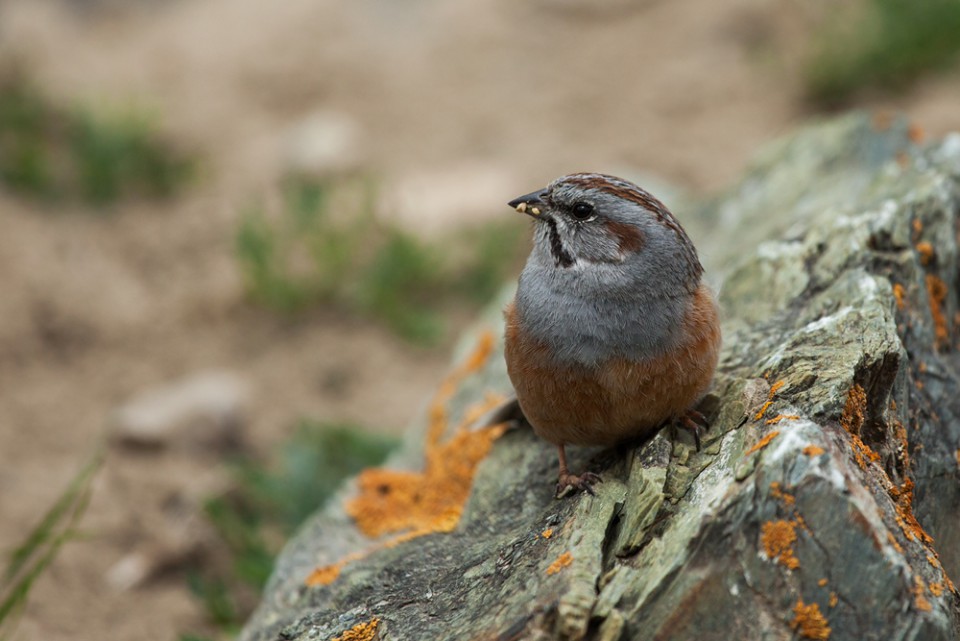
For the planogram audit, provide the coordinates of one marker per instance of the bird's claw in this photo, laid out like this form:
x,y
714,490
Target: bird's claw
x,y
568,483
696,423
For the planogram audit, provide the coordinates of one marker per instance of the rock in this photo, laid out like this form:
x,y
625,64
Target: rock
x,y
205,410
823,504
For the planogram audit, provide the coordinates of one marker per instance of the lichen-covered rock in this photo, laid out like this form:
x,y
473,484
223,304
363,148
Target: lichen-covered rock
x,y
823,504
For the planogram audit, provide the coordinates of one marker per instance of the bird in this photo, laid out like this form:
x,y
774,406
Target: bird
x,y
612,333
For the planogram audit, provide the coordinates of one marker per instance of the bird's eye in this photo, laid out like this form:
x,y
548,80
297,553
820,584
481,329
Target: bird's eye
x,y
582,210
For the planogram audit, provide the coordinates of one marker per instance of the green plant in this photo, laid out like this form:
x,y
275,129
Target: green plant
x,y
40,547
119,154
52,152
886,45
269,501
305,256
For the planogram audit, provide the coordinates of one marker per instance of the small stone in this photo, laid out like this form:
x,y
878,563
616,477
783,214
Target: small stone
x,y
205,410
322,144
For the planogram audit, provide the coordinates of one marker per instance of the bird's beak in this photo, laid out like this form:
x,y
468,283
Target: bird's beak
x,y
531,204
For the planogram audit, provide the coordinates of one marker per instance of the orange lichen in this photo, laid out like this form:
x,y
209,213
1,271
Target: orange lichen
x,y
325,575
852,420
776,491
926,252
763,409
882,120
919,598
809,621
903,497
777,538
956,455
773,390
419,503
916,133
762,443
834,599
893,541
936,589
781,417
562,561
813,450
854,409
822,582
934,561
898,294
937,291
547,533
361,632
432,500
917,226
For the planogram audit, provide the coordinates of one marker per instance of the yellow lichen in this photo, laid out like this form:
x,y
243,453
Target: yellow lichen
x,y
361,632
936,589
937,292
834,599
813,450
809,621
762,443
562,561
823,582
777,538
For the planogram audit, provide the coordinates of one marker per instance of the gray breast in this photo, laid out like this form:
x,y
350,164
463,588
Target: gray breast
x,y
587,318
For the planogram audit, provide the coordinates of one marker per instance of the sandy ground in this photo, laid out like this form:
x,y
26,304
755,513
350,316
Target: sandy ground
x,y
96,309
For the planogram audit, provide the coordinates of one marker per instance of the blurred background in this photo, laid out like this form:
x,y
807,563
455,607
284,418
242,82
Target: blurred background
x,y
238,239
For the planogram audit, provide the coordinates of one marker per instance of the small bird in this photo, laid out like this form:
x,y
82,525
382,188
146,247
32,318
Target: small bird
x,y
612,333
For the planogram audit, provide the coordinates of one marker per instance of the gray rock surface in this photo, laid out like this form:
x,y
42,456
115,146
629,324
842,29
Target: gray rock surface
x,y
824,502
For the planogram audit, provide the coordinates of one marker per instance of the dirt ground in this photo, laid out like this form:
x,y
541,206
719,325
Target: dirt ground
x,y
96,309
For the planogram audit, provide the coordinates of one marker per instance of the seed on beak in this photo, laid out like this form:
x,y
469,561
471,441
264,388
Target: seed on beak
x,y
522,208
534,211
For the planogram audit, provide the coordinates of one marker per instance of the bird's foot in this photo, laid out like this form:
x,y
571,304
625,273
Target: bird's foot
x,y
695,422
569,483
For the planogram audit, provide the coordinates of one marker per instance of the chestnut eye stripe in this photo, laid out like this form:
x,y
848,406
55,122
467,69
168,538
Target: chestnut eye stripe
x,y
628,191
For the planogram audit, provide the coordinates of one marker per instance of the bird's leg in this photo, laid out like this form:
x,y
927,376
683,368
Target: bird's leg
x,y
695,422
567,481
